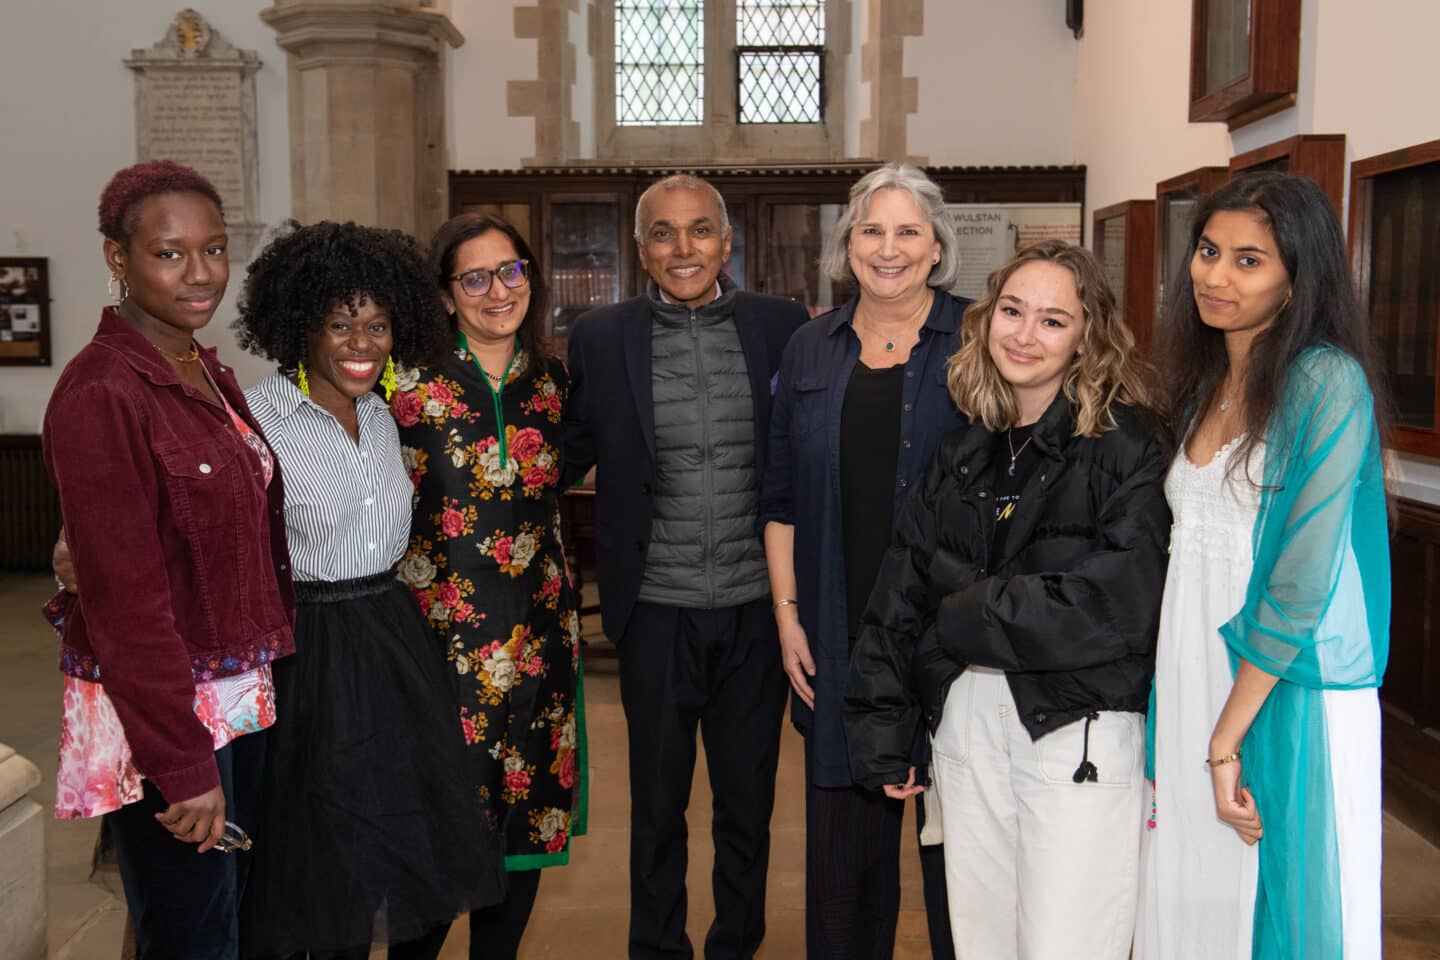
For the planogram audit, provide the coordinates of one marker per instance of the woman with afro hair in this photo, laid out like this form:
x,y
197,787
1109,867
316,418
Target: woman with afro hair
x,y
370,833
172,504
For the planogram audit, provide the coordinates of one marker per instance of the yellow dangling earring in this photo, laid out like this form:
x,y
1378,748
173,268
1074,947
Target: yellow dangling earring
x,y
300,380
387,379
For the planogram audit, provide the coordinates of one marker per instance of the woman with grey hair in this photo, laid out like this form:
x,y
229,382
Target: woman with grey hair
x,y
860,405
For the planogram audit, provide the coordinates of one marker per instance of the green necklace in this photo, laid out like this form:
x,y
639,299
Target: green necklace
x,y
494,392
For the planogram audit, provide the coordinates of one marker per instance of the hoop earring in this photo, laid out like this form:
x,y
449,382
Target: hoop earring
x,y
124,289
301,381
387,379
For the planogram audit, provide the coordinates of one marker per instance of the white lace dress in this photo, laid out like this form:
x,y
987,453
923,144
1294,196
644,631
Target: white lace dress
x,y
1198,879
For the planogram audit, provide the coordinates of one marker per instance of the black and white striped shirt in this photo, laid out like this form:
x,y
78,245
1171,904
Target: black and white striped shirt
x,y
347,506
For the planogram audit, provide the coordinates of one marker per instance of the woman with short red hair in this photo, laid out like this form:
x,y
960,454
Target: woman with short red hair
x,y
173,508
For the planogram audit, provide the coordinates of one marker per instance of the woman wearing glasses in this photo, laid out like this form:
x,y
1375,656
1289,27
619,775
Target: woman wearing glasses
x,y
481,437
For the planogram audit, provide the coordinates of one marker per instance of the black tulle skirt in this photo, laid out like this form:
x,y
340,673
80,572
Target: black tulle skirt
x,y
371,834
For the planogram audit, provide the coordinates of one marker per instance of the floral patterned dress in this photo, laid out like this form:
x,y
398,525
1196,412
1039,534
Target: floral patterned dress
x,y
487,565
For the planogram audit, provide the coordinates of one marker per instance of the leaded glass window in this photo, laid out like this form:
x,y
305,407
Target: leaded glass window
x,y
780,60
659,62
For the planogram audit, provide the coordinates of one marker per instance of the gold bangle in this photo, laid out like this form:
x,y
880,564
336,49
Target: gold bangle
x,y
1221,761
783,603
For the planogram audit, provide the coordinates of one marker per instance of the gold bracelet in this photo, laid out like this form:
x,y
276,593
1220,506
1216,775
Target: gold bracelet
x,y
1221,761
783,603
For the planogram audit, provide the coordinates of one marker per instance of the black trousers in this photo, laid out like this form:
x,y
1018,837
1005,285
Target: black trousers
x,y
185,905
719,671
852,875
495,931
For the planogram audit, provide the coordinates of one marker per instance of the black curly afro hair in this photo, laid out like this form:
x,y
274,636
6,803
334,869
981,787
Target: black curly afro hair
x,y
292,284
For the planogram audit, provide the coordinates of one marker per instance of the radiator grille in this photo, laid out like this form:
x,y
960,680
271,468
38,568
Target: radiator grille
x,y
29,506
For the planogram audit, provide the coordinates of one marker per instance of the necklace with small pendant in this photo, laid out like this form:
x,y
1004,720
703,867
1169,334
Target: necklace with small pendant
x,y
1015,454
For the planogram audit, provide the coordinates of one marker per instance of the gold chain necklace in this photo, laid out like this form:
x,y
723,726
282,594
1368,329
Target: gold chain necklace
x,y
191,357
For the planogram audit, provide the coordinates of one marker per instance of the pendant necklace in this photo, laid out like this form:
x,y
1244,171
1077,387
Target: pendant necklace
x,y
1015,454
890,346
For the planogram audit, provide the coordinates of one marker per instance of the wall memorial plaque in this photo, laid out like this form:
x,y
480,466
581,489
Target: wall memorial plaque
x,y
195,104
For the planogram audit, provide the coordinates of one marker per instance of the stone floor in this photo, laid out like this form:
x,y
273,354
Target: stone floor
x,y
584,903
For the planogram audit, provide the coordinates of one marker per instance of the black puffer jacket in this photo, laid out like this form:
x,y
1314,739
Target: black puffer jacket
x,y
1070,612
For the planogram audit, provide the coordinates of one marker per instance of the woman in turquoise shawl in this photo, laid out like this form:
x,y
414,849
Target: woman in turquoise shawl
x,y
1275,624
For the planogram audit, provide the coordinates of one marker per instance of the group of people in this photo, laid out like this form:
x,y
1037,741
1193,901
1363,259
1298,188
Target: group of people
x,y
1000,566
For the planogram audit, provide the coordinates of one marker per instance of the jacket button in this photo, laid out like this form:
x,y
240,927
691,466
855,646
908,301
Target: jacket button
x,y
284,566
204,468
904,482
906,444
982,494
1041,717
909,407
964,471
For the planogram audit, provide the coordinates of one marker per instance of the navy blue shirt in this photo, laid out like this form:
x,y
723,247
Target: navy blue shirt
x,y
802,488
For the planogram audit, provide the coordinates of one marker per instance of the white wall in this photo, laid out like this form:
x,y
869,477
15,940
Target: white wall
x,y
483,135
997,83
69,106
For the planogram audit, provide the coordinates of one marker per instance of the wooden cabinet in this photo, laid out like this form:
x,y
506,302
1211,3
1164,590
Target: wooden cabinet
x,y
581,220
1244,59
1410,696
1319,156
1124,243
1394,222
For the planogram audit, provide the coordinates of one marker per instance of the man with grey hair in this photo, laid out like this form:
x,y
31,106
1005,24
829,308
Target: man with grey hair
x,y
670,401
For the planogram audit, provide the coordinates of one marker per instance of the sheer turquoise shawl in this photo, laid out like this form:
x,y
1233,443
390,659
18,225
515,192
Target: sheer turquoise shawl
x,y
1323,492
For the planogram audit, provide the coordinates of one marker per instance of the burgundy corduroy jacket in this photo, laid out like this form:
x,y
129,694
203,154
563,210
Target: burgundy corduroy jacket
x,y
178,546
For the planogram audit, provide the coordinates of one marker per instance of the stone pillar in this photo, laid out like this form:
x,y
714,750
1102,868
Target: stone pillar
x,y
893,95
22,860
367,110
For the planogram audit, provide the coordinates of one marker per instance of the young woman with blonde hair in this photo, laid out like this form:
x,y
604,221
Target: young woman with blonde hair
x,y
1015,615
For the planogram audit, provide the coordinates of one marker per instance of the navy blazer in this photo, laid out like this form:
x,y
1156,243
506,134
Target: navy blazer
x,y
802,488
610,424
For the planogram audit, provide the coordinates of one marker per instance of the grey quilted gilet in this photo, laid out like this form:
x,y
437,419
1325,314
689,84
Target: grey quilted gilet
x,y
704,551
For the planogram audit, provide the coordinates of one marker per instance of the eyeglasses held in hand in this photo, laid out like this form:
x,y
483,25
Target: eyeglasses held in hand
x,y
512,273
233,839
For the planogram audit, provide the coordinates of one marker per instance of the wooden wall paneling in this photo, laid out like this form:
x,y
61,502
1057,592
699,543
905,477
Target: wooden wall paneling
x,y
1410,696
